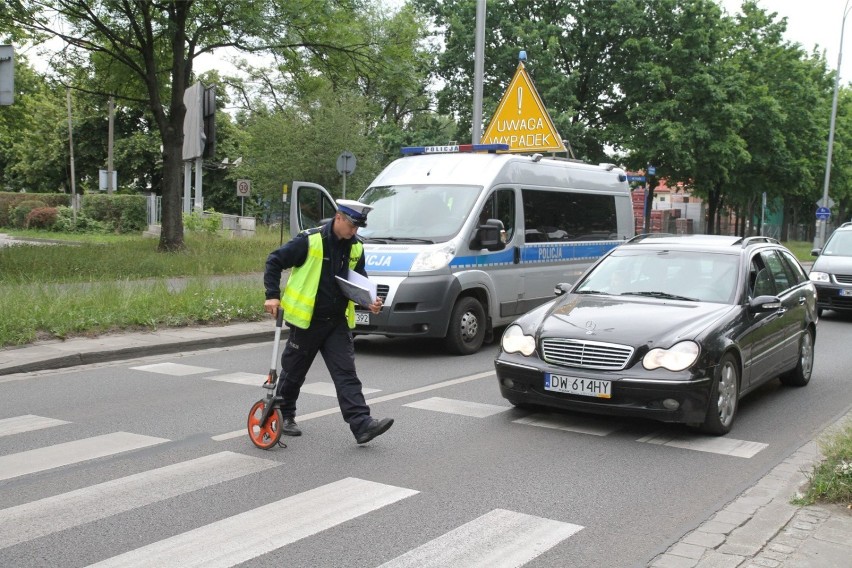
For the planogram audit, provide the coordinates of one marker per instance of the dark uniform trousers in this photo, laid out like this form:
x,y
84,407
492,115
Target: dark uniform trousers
x,y
332,338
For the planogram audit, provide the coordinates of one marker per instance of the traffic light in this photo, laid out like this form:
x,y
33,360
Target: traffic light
x,y
209,116
7,75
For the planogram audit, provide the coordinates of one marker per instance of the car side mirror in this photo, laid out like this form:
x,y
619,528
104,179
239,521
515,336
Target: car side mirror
x,y
488,236
764,304
562,288
815,252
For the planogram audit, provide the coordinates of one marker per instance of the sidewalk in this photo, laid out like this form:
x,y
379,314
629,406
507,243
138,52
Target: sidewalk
x,y
759,529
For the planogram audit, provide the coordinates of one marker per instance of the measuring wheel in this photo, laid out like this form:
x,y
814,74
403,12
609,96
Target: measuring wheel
x,y
264,436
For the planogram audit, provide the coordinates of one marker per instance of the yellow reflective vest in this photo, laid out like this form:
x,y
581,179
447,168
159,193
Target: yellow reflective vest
x,y
303,283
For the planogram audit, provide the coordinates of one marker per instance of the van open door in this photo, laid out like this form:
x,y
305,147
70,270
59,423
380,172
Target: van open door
x,y
311,205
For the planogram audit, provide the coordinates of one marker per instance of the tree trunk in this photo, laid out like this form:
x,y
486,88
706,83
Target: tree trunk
x,y
171,228
713,206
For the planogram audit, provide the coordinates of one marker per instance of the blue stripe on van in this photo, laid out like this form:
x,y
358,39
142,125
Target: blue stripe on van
x,y
388,262
530,254
551,252
485,259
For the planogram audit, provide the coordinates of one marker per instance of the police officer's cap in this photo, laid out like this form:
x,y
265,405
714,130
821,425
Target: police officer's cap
x,y
354,211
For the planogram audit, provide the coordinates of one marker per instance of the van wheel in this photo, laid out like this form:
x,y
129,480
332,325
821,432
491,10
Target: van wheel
x,y
467,327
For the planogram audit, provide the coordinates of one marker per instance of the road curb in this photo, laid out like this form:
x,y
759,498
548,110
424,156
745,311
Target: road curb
x,y
118,353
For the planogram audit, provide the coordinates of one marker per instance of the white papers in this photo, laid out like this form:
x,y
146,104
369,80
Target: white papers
x,y
357,288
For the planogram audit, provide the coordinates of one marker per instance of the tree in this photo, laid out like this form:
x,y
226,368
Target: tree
x,y
34,136
144,52
576,58
787,99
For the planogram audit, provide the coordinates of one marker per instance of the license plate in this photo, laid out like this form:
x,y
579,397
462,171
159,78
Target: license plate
x,y
846,292
362,318
576,385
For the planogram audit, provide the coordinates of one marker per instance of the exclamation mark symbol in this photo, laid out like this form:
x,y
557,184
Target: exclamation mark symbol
x,y
520,98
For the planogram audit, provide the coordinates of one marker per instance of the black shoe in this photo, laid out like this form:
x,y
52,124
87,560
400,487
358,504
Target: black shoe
x,y
376,428
289,427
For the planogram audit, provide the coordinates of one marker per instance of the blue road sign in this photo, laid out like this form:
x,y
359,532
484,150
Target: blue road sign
x,y
823,213
636,178
652,170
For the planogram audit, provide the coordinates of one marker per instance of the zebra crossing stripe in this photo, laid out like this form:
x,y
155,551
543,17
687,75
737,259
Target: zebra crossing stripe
x,y
376,400
247,535
32,461
498,539
725,446
463,407
53,514
27,423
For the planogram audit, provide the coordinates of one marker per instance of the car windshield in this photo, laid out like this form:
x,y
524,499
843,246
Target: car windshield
x,y
417,213
840,244
678,275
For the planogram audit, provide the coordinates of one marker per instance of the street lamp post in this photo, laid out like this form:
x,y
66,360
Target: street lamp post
x,y
820,239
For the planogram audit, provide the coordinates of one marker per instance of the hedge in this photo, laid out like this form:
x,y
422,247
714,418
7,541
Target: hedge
x,y
121,213
8,202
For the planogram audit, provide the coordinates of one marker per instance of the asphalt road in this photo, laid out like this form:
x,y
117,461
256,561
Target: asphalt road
x,y
460,476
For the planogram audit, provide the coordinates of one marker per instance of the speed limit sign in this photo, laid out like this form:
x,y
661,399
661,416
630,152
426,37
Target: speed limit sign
x,y
243,188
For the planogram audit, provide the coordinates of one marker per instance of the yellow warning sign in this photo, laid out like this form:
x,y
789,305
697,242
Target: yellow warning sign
x,y
521,120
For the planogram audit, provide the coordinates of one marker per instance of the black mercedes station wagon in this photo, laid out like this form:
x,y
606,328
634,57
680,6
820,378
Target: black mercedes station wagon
x,y
673,328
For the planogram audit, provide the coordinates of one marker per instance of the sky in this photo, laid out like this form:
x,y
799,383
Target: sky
x,y
813,23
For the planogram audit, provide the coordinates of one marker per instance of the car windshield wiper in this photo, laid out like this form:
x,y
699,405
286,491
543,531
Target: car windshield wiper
x,y
663,295
589,292
406,240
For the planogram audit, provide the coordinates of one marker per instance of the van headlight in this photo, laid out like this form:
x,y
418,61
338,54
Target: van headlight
x,y
819,277
676,358
516,341
433,259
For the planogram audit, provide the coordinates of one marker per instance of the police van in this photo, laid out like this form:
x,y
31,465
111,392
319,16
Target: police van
x,y
463,239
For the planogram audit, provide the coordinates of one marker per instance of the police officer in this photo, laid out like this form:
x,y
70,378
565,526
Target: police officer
x,y
320,316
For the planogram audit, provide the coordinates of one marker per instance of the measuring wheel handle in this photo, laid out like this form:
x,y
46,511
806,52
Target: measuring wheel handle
x,y
264,419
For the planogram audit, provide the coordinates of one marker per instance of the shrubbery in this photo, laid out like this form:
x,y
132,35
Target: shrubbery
x,y
41,218
65,223
18,217
9,201
125,213
209,222
98,213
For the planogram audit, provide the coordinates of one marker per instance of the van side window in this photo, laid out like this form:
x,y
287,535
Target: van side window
x,y
568,216
500,205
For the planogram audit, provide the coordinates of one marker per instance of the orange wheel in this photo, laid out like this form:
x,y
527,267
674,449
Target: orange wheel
x,y
264,436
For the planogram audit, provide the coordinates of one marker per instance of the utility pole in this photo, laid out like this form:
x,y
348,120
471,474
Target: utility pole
x,y
110,188
478,65
820,238
71,152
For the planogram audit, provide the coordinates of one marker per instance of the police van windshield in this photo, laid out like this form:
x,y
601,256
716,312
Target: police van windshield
x,y
424,213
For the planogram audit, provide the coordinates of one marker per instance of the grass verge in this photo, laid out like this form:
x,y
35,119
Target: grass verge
x,y
831,479
53,311
94,260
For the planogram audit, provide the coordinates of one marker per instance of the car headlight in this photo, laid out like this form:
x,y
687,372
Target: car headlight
x,y
676,358
819,277
516,341
433,259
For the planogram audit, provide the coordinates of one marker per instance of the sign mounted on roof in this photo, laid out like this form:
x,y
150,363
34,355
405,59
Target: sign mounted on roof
x,y
521,121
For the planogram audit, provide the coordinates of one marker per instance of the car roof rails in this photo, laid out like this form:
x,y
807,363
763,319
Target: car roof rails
x,y
846,224
747,241
643,236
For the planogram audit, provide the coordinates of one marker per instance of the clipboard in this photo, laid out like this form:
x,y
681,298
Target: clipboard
x,y
357,288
